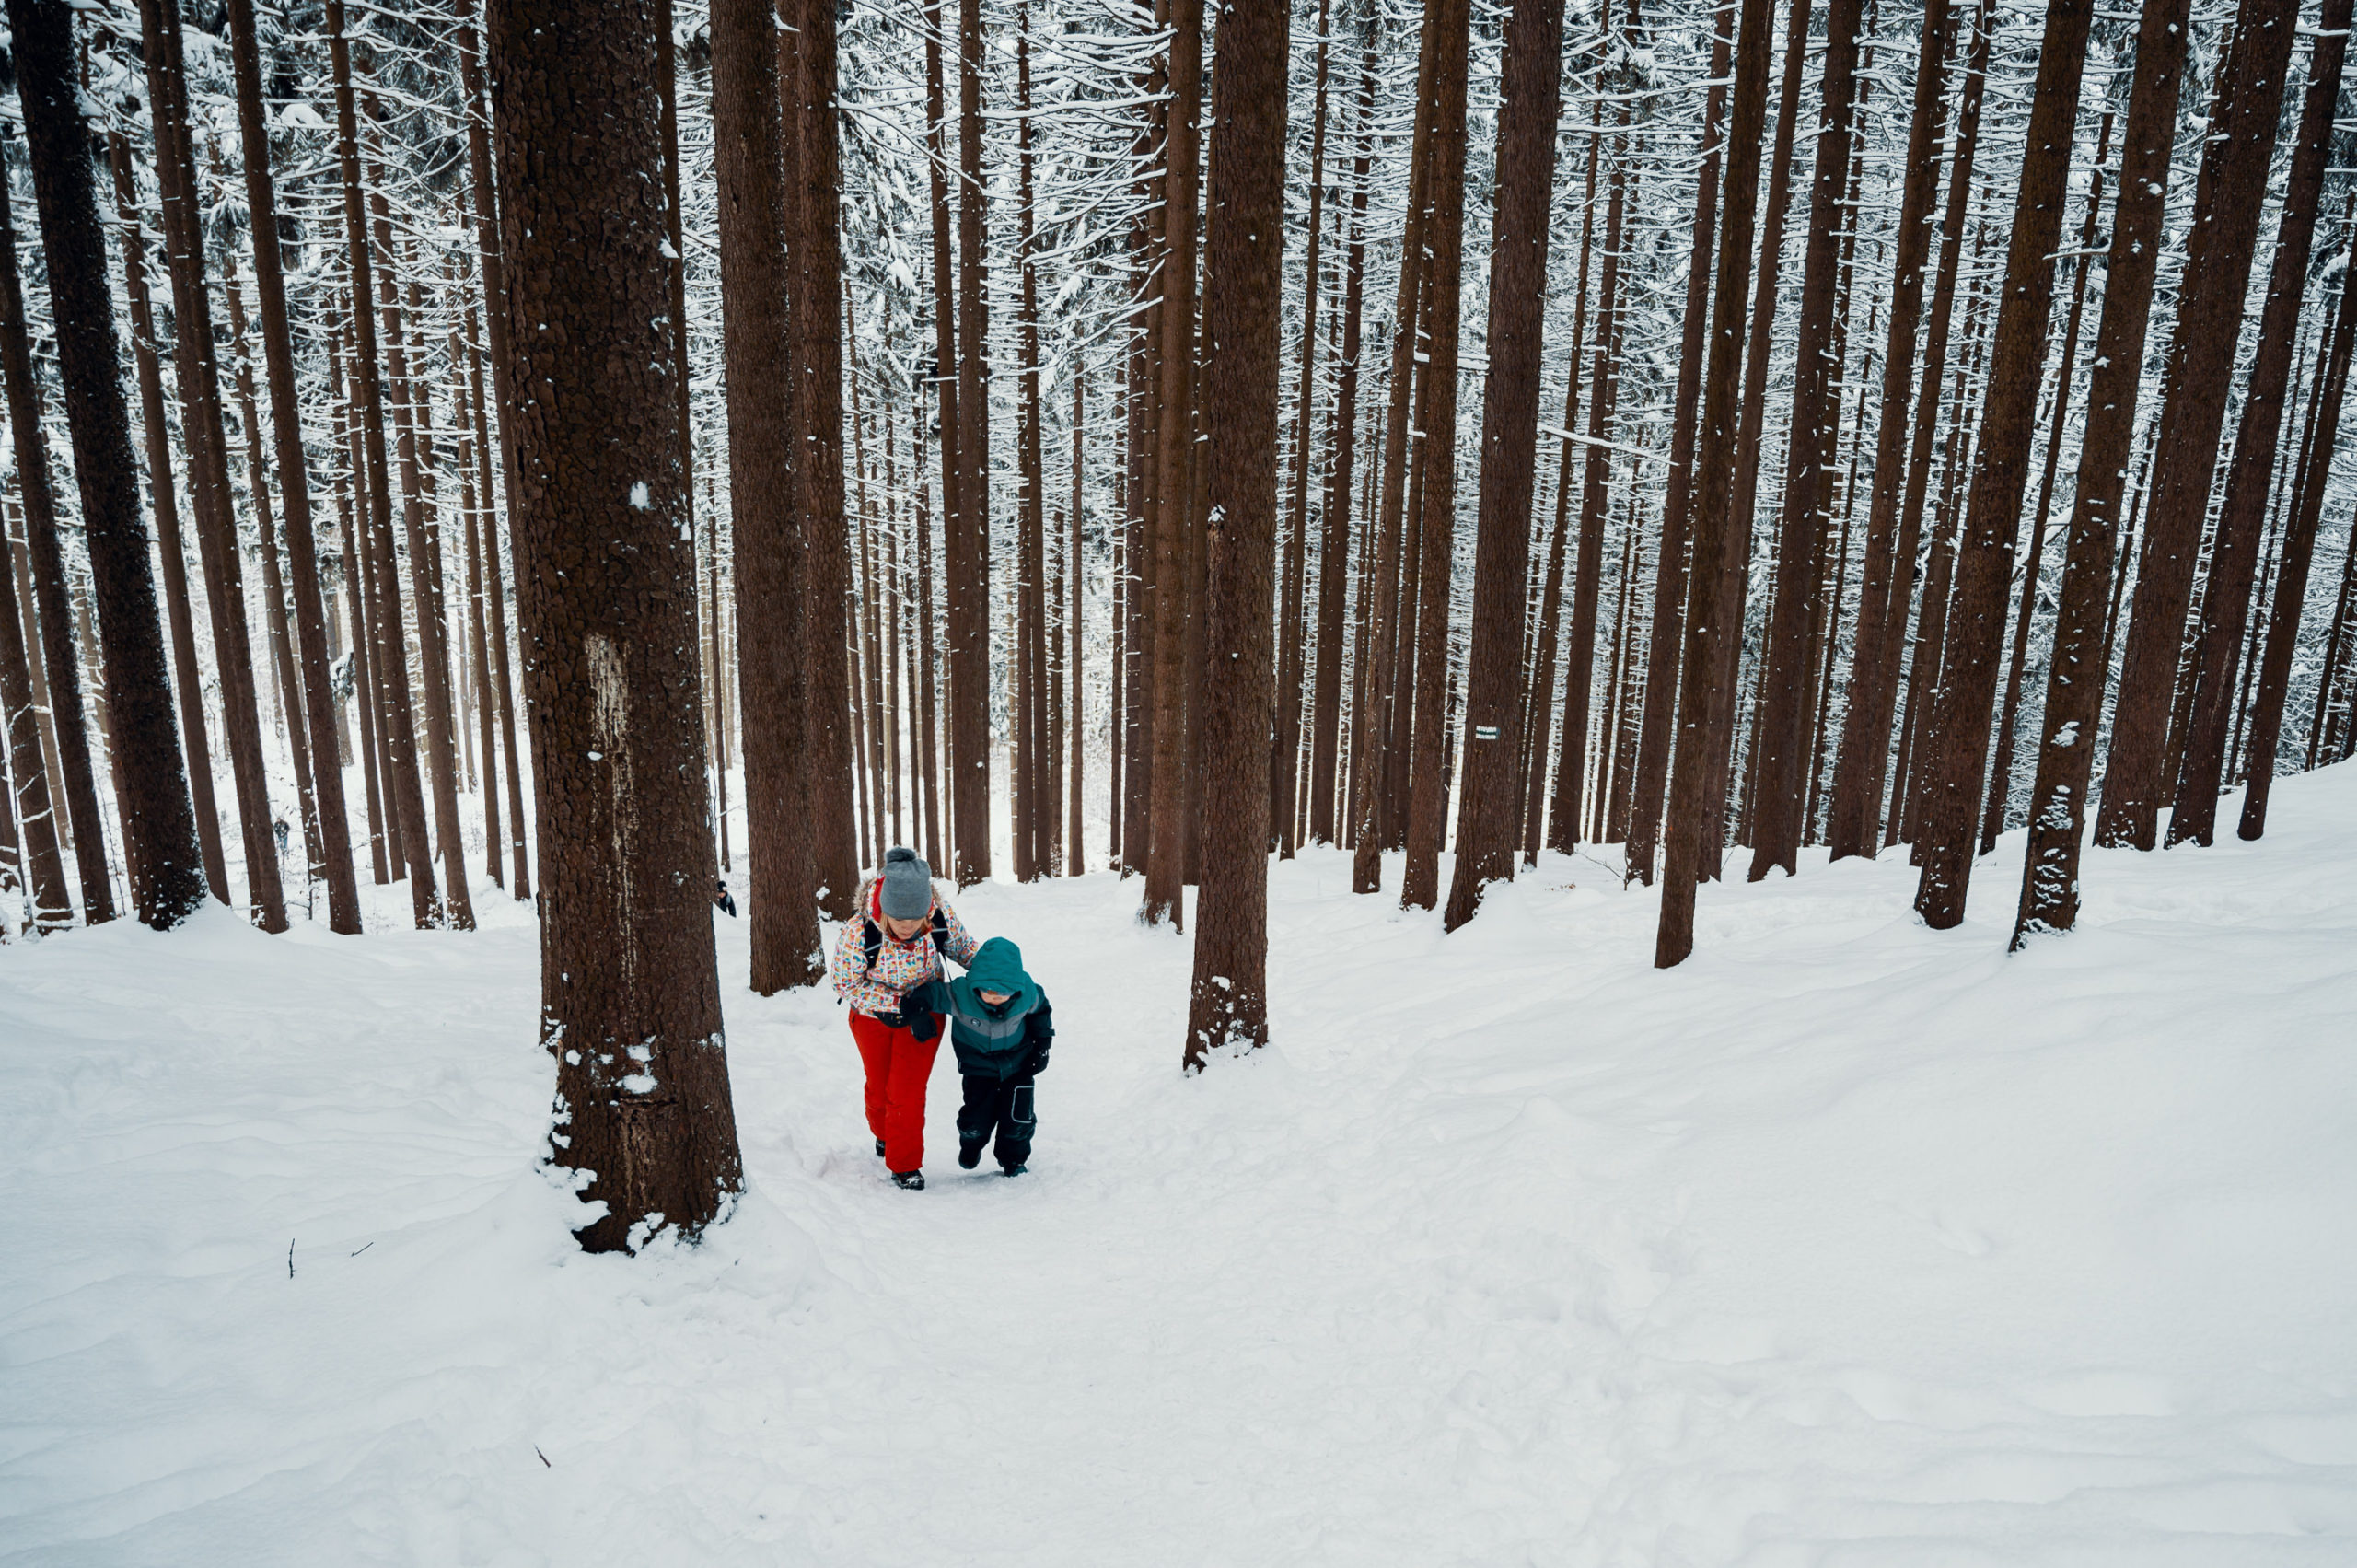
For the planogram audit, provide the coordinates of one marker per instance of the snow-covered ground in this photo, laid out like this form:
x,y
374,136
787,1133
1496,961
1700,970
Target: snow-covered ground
x,y
1847,1242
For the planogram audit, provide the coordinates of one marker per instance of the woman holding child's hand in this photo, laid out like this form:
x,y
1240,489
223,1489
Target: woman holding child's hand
x,y
893,947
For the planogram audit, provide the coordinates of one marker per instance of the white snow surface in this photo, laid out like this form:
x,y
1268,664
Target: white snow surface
x,y
1847,1242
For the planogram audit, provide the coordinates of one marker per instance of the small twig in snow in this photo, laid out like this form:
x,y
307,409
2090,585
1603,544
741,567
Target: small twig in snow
x,y
545,1458
364,1249
290,1257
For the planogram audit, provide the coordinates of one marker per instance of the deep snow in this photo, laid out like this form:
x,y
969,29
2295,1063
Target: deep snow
x,y
1847,1242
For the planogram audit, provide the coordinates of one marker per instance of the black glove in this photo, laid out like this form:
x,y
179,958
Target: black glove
x,y
922,1021
1037,1063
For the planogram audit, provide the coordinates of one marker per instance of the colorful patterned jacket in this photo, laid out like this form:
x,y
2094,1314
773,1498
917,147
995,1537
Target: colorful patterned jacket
x,y
872,972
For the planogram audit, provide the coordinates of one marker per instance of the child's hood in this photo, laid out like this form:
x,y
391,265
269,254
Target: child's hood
x,y
997,966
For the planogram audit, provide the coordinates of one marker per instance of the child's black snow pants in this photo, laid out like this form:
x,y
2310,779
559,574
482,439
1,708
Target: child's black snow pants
x,y
1000,1104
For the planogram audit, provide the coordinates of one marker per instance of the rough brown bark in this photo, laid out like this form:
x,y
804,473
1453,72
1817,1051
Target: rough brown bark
x,y
1034,804
1437,532
1229,1003
202,429
818,317
1164,893
2226,600
2079,668
160,834
1700,724
1956,754
770,627
944,379
56,651
2229,194
970,534
629,994
1489,805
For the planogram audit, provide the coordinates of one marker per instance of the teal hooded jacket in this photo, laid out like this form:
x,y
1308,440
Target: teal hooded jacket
x,y
995,1043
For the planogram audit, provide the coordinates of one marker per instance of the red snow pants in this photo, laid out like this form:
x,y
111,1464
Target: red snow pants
x,y
898,1066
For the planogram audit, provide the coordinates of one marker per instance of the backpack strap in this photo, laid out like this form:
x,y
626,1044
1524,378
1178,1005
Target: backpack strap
x,y
871,937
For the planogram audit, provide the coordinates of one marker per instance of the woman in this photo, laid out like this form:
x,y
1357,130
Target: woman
x,y
893,945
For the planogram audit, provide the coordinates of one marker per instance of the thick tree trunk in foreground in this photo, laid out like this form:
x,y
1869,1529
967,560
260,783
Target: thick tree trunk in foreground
x,y
2226,599
1489,805
1956,751
2229,195
47,560
629,994
2080,666
42,867
769,559
1229,1001
160,830
1699,741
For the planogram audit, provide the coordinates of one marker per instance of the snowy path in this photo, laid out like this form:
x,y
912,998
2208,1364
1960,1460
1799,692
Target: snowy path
x,y
1846,1243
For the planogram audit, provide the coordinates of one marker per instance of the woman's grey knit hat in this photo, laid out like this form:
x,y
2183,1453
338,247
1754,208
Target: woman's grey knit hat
x,y
908,885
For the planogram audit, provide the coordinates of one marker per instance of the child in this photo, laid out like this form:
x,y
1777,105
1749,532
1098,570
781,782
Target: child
x,y
1000,1028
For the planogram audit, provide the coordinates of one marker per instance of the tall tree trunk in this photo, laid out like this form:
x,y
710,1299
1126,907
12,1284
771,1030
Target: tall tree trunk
x,y
1334,552
209,479
1228,1007
1579,659
1372,746
1436,533
2299,547
2225,603
419,531
2229,194
1489,807
1957,754
47,583
1033,804
1671,569
970,534
1785,686
332,853
345,443
188,686
1992,811
2079,668
1709,598
159,831
1856,813
817,316
1165,895
274,592
746,109
630,991
1076,847
1285,780
397,735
